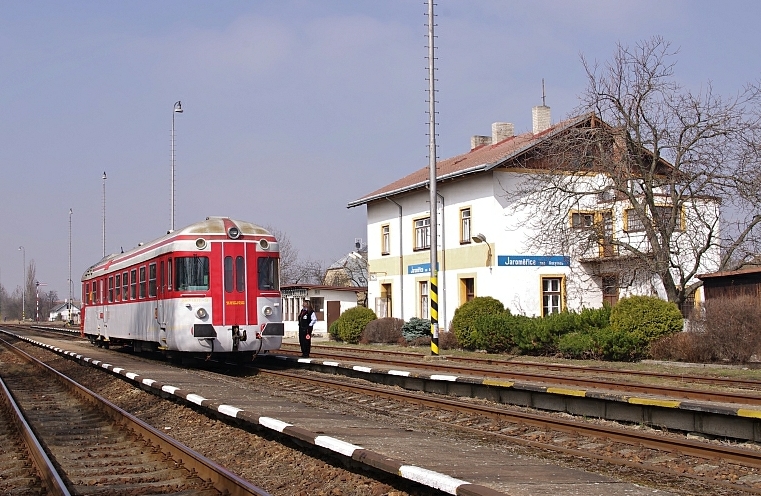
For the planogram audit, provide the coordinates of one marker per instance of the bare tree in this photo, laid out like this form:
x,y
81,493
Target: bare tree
x,y
639,179
289,256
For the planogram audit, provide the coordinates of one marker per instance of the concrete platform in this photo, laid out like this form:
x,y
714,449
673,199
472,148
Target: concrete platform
x,y
730,420
454,466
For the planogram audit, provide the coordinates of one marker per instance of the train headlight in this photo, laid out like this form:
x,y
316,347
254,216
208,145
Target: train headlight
x,y
267,311
201,313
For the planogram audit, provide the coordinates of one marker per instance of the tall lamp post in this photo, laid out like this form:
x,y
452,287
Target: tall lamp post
x,y
71,211
177,110
23,284
104,214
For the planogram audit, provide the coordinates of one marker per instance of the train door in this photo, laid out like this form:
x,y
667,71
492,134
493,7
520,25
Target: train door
x,y
234,310
161,298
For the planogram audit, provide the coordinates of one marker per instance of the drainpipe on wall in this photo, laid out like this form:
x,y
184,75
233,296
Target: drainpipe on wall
x,y
401,258
443,278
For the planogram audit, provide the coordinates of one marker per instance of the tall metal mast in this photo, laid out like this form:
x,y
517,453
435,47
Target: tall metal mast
x,y
433,290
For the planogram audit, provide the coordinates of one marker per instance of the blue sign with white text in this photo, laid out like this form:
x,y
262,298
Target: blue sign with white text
x,y
533,261
423,268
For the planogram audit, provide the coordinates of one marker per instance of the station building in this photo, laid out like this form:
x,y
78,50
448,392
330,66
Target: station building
x,y
482,237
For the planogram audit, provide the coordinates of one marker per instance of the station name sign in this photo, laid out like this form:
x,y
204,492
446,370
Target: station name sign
x,y
533,261
423,268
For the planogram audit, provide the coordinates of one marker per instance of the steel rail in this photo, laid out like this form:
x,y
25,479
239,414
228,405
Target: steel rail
x,y
629,387
626,436
45,468
557,367
223,480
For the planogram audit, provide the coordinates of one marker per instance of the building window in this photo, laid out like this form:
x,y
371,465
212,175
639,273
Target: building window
x,y
152,280
582,220
552,297
464,225
142,282
385,239
424,305
467,289
423,233
662,214
133,284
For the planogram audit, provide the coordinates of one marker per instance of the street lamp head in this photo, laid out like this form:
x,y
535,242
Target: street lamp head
x,y
178,107
104,175
479,238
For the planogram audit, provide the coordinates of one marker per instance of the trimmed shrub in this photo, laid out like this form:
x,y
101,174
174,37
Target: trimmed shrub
x,y
494,332
421,341
448,341
577,345
464,320
595,318
333,330
612,344
645,318
387,330
534,336
416,328
352,322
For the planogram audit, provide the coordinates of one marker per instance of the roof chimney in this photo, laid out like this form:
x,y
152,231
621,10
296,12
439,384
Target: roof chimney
x,y
478,141
540,115
501,131
541,118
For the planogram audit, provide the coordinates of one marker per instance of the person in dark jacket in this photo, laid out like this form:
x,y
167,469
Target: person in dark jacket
x,y
307,320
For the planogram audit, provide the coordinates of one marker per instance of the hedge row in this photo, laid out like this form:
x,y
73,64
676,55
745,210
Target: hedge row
x,y
622,332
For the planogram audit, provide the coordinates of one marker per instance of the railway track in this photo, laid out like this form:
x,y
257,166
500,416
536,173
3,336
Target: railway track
x,y
97,448
572,375
726,467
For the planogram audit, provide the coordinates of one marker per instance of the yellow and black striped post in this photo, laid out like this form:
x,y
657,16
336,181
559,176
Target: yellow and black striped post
x,y
434,297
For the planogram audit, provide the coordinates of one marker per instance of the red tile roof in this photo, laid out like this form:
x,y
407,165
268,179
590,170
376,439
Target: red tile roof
x,y
482,158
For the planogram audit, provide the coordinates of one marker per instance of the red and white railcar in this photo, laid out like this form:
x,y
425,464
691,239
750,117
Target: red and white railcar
x,y
209,288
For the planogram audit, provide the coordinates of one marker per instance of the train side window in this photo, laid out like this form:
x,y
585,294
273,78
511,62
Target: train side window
x,y
97,290
125,286
228,274
142,281
267,273
169,275
191,273
240,274
118,286
161,278
111,289
88,295
152,280
133,284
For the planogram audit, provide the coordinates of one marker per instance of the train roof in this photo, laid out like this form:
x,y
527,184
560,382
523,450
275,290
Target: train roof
x,y
212,226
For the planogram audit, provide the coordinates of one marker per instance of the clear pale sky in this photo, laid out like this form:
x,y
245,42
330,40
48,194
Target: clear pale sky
x,y
292,108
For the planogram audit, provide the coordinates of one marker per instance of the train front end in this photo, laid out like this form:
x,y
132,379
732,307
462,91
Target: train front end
x,y
228,301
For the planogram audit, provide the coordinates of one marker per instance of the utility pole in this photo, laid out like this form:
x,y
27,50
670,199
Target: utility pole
x,y
104,214
433,296
71,283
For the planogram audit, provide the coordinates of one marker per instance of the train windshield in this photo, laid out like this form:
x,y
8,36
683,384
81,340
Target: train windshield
x,y
267,274
191,273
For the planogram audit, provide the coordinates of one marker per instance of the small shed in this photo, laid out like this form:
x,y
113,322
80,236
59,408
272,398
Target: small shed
x,y
329,303
732,284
